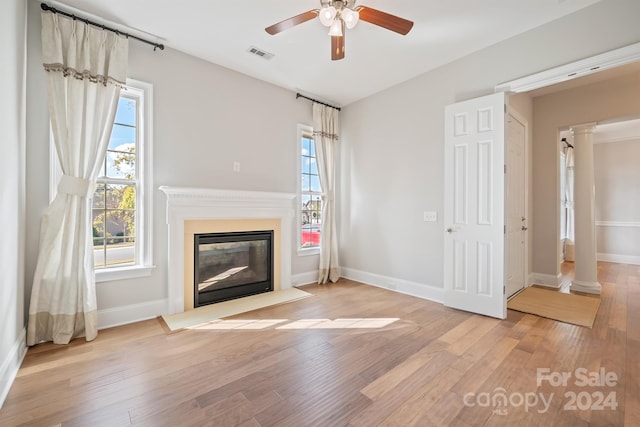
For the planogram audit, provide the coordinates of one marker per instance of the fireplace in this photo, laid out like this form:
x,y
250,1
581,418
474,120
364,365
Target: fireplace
x,y
232,265
192,211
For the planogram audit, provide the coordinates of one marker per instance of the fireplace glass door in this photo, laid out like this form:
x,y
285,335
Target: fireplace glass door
x,y
232,265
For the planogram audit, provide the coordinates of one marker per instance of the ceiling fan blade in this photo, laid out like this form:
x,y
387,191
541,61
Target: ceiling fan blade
x,y
292,22
337,47
385,20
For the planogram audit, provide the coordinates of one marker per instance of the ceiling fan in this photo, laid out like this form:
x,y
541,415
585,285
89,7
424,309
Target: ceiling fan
x,y
338,14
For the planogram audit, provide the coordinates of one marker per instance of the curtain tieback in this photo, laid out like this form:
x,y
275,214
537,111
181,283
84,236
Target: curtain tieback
x,y
75,186
328,197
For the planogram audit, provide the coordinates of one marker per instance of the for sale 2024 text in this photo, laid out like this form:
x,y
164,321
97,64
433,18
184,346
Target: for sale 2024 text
x,y
597,400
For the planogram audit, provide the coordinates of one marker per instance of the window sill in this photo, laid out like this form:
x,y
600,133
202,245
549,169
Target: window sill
x,y
122,273
308,251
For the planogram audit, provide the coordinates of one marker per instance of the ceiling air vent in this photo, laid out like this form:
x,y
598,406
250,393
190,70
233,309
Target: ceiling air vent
x,y
259,52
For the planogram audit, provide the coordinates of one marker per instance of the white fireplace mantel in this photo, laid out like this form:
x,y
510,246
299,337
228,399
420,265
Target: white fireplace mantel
x,y
186,204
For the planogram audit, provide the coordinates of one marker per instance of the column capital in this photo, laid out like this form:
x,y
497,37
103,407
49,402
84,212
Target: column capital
x,y
583,128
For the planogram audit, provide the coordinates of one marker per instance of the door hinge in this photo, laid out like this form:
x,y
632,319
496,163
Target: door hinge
x,y
505,108
504,290
505,168
505,229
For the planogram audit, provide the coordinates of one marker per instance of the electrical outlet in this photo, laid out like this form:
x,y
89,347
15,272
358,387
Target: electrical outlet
x,y
430,216
236,166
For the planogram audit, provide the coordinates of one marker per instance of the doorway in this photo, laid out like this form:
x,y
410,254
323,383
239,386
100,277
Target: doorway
x,y
515,204
556,108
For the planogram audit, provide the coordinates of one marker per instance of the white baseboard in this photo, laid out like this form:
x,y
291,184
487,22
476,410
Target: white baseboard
x,y
548,280
304,278
117,316
10,366
415,289
620,259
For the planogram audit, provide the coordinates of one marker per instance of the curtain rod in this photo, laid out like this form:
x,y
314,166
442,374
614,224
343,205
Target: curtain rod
x,y
48,8
299,95
566,142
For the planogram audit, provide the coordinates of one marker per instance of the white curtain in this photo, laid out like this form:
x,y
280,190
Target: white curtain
x,y
569,195
569,243
325,135
86,68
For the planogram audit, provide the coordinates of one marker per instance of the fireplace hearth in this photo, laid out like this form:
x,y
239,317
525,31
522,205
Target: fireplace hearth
x,y
232,265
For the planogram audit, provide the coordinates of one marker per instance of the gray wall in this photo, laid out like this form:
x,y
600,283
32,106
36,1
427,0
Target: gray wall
x,y
205,118
392,155
608,100
12,123
617,179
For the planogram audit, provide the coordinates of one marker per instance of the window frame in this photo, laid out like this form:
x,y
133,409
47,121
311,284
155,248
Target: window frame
x,y
143,264
303,131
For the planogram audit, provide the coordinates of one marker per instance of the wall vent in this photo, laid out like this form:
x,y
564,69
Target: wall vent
x,y
259,52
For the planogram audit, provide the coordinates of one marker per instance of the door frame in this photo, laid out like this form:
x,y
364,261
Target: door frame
x,y
513,113
573,70
593,64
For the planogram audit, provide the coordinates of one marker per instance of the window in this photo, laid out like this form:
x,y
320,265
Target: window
x,y
309,193
563,196
121,205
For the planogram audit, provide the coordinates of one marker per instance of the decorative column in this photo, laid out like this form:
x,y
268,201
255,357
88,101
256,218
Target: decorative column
x,y
586,265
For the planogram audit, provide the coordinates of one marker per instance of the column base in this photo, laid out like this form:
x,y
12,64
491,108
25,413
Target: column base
x,y
587,287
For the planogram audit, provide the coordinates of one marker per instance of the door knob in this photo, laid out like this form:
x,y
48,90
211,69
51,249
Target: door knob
x,y
523,219
524,228
451,230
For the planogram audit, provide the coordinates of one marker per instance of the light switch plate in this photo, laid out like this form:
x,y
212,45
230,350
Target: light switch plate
x,y
431,216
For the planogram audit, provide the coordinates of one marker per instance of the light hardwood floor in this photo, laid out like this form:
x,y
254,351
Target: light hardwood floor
x,y
284,366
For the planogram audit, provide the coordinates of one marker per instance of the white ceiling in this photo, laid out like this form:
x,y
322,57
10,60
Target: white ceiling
x,y
222,32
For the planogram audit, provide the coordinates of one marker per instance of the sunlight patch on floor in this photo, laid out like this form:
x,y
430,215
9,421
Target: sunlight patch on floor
x,y
255,324
240,324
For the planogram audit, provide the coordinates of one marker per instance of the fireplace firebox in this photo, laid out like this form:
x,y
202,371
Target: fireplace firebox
x,y
232,265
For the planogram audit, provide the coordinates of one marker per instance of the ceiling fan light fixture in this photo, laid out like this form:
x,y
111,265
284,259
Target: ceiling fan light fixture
x,y
350,17
336,28
327,15
340,15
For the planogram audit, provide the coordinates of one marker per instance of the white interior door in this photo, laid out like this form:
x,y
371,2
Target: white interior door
x,y
474,206
515,199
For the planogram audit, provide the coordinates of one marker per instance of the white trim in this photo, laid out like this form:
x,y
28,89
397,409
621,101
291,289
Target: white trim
x,y
634,224
11,365
619,139
548,280
587,287
619,259
593,64
144,209
301,130
144,198
520,119
110,317
184,204
308,278
402,286
307,251
122,273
